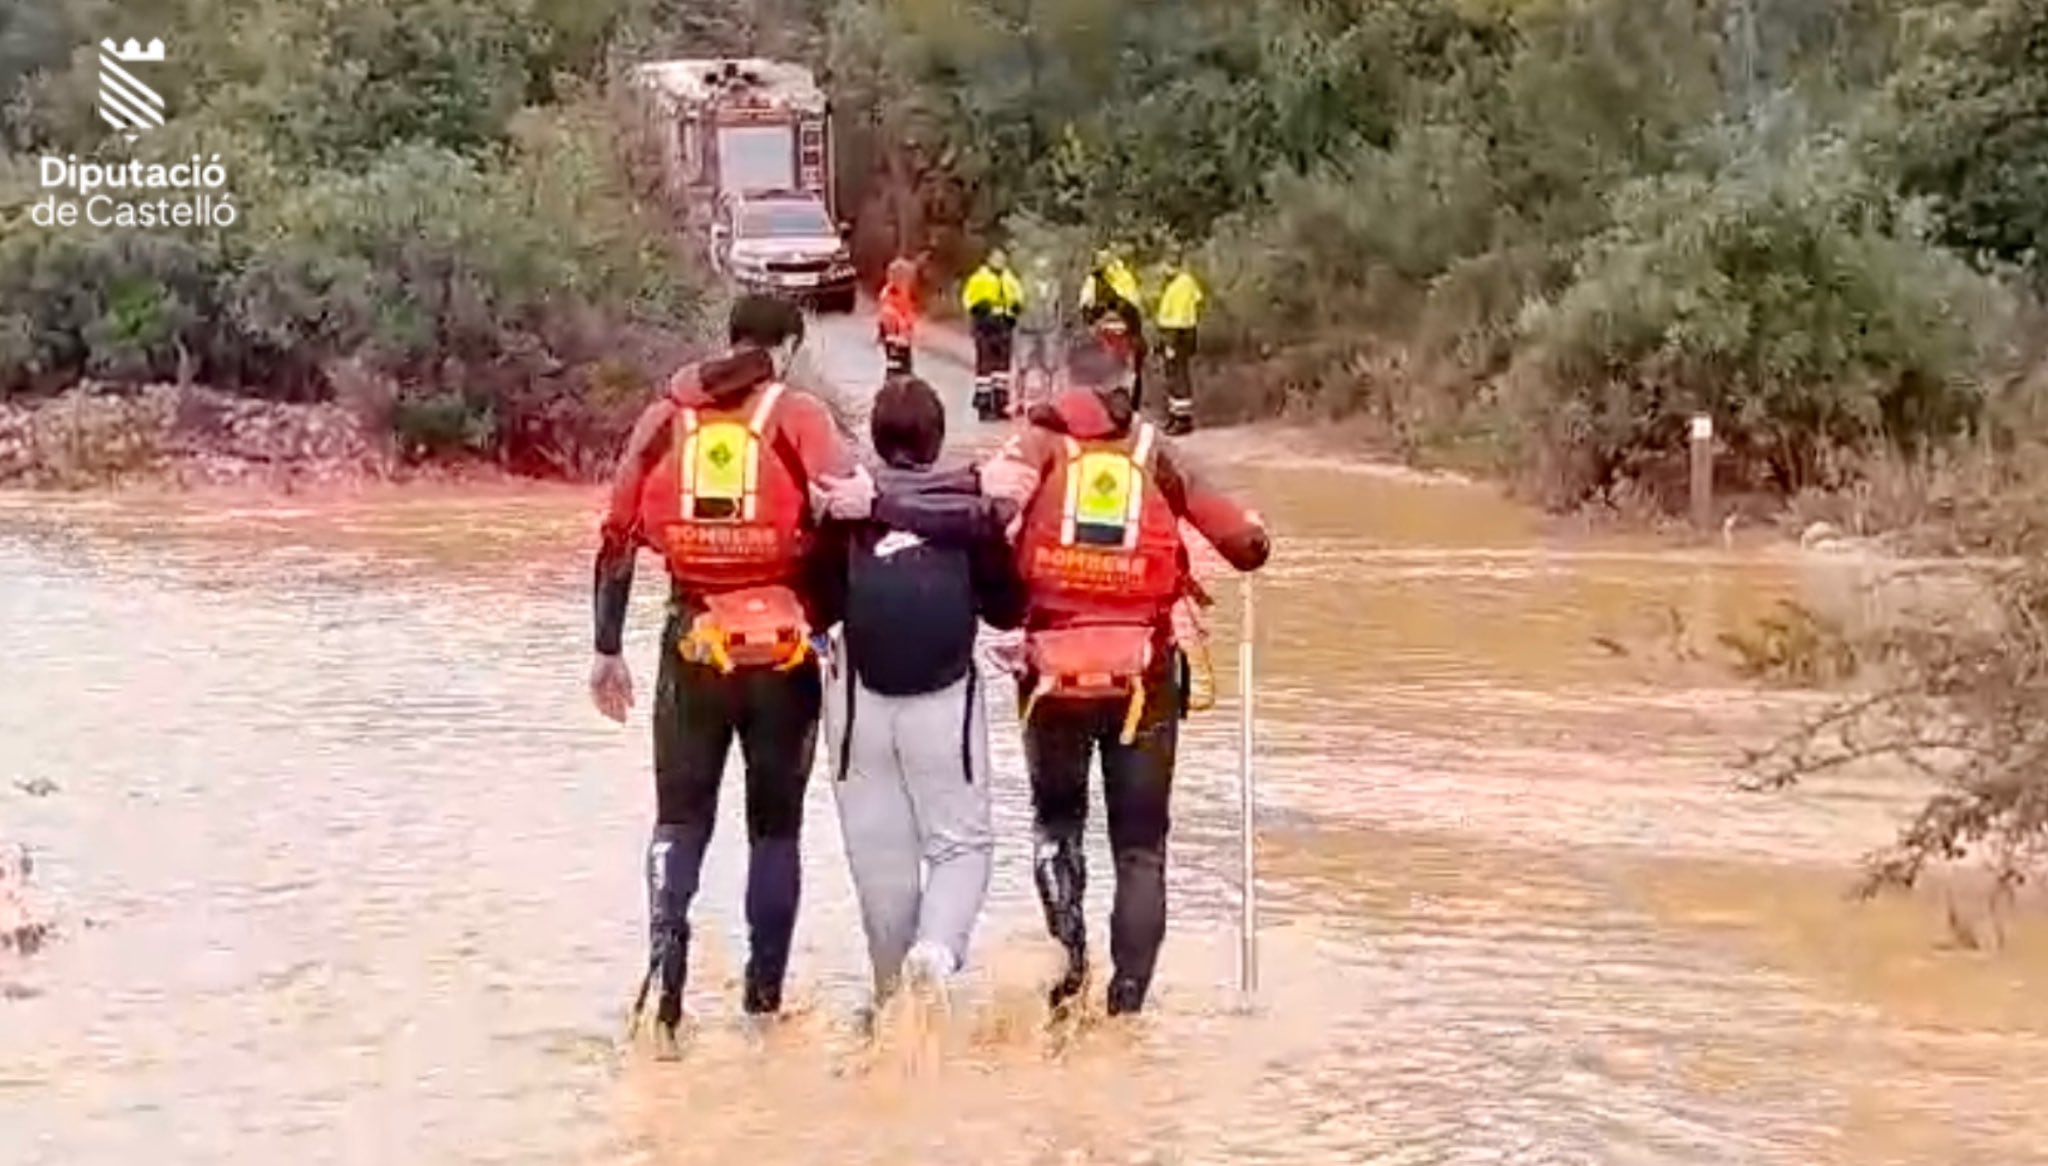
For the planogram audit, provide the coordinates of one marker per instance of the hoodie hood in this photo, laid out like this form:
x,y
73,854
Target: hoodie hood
x,y
1085,414
723,379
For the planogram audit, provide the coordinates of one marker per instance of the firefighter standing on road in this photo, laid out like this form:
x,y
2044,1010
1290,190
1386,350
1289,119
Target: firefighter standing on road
x,y
1180,311
993,297
1111,291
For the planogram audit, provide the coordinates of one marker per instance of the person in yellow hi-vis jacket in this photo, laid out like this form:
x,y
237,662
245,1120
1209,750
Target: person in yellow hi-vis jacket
x,y
993,296
1111,292
1180,311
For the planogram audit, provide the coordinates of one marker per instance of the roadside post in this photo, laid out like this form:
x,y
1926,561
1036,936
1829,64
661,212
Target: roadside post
x,y
1702,472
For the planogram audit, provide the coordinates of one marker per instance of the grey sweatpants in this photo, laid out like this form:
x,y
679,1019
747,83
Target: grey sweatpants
x,y
911,780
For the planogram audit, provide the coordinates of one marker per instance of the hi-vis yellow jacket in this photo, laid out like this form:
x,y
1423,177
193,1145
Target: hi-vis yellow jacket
x,y
1121,281
1001,292
1180,305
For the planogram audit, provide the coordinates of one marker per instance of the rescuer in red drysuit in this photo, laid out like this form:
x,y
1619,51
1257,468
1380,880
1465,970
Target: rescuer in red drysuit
x,y
1101,497
896,315
715,478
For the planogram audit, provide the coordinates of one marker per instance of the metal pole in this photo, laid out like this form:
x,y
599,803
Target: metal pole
x,y
1248,895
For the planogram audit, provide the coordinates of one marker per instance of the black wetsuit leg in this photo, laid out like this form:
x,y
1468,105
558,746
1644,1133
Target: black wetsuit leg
x,y
778,730
698,711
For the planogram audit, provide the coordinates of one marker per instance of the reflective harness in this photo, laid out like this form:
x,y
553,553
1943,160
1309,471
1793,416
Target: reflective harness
x,y
1103,506
720,468
721,462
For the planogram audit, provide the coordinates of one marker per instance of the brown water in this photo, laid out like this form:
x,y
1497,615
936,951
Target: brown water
x,y
349,872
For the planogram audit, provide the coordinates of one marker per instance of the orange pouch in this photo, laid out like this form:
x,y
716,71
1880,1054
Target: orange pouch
x,y
759,627
1089,662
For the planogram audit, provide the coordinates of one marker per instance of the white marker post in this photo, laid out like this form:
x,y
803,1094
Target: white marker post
x,y
1248,895
1702,471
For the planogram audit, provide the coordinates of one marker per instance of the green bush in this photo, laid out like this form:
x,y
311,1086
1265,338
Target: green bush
x,y
402,212
1785,297
1966,124
1380,194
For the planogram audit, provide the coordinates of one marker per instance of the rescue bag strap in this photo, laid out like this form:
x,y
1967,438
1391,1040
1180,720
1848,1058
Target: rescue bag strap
x,y
1141,466
686,458
704,644
1132,713
1044,685
757,424
1141,450
1073,500
802,653
783,445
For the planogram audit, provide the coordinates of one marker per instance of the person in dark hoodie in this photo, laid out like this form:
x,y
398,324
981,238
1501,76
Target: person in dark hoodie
x,y
716,479
906,712
1102,496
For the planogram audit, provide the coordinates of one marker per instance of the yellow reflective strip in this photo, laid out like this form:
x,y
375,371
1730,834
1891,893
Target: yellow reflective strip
x,y
751,479
1073,503
1134,502
1044,685
1131,714
688,456
758,423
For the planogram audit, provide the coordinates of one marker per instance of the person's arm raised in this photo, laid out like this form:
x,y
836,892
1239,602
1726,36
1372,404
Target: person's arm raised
x,y
1237,533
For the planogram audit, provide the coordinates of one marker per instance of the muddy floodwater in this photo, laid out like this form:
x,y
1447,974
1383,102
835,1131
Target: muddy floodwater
x,y
345,869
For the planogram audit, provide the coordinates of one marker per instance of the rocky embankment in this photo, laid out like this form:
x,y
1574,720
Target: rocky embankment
x,y
190,436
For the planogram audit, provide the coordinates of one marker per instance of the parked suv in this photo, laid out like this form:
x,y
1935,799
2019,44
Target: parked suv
x,y
784,243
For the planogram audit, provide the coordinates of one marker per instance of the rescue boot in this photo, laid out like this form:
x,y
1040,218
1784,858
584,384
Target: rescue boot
x,y
1126,995
671,884
1061,873
999,403
981,398
1180,416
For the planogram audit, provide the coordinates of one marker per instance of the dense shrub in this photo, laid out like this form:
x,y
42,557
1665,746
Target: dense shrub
x,y
1381,193
1967,125
404,211
1785,297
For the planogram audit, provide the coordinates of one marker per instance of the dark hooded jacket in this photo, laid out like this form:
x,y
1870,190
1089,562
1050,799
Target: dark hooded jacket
x,y
911,603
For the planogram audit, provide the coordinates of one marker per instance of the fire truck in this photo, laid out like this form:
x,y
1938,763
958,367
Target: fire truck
x,y
746,154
